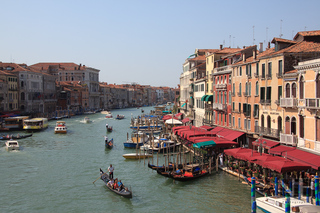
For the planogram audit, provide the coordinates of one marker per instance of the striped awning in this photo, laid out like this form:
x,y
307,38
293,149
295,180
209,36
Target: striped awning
x,y
203,97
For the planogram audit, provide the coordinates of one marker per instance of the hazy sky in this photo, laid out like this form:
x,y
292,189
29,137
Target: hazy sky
x,y
142,41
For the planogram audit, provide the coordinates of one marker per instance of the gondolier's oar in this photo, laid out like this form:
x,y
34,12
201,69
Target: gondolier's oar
x,y
99,177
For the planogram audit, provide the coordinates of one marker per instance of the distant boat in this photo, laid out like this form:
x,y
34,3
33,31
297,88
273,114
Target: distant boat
x,y
60,127
137,139
12,145
109,129
120,117
8,137
109,144
86,120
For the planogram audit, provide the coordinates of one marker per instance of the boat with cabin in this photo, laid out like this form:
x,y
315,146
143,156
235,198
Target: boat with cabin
x,y
137,155
137,139
120,117
12,145
14,123
35,124
276,204
60,127
86,120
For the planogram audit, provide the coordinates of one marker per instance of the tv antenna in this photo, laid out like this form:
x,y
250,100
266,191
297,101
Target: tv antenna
x,y
280,29
253,35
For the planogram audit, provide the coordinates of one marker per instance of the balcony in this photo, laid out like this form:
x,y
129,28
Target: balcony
x,y
223,69
265,102
246,94
312,103
207,122
256,75
267,131
239,94
208,107
233,94
247,114
221,86
218,106
269,76
289,102
263,77
288,139
279,75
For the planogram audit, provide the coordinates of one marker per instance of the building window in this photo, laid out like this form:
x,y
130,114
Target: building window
x,y
239,107
257,88
301,87
318,86
234,123
268,97
249,124
233,106
240,71
257,69
269,69
230,97
240,88
263,71
256,111
234,88
287,90
301,126
249,89
279,92
294,90
229,119
280,68
239,123
262,93
293,126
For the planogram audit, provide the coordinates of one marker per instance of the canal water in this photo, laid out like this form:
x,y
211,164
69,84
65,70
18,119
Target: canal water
x,y
55,173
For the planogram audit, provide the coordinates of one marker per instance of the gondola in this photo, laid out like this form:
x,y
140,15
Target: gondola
x,y
15,136
187,176
109,144
162,168
163,172
109,129
123,192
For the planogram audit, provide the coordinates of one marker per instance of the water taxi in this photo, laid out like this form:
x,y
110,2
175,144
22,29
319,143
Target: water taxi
x,y
12,145
137,155
277,204
60,127
35,124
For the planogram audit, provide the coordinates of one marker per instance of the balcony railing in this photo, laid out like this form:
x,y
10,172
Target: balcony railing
x,y
207,122
219,106
267,131
269,76
312,103
246,94
256,75
288,139
289,102
208,107
239,94
222,69
265,102
279,75
221,86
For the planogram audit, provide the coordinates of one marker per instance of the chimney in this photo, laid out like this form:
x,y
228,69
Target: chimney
x,y
269,45
260,47
254,54
244,57
221,46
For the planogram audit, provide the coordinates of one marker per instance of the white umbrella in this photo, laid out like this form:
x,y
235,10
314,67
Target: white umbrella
x,y
173,121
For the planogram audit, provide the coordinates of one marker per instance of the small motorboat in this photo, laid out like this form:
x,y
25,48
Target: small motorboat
x,y
109,116
86,120
137,155
120,117
12,145
60,127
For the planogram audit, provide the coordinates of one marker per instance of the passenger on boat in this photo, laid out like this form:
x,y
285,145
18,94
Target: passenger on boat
x,y
115,185
120,185
111,169
111,182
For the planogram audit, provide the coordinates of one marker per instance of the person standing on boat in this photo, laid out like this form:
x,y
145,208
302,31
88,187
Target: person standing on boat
x,y
110,170
107,125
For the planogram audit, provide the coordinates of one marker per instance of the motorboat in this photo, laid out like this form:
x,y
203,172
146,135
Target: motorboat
x,y
276,204
35,124
12,145
120,117
137,139
137,155
60,127
86,120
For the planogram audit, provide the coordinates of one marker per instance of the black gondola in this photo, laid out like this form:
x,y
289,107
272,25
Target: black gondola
x,y
125,192
185,177
8,137
162,168
163,172
109,144
109,129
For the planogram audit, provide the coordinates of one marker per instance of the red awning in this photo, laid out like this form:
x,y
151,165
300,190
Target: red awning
x,y
280,149
235,152
178,114
176,128
200,139
304,157
285,166
185,120
260,160
167,117
218,141
208,128
227,133
267,144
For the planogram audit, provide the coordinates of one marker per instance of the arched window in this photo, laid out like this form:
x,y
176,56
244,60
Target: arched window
x,y
294,90
262,121
225,97
301,88
218,97
22,84
221,93
287,90
279,124
257,88
318,86
269,121
287,125
293,125
229,79
225,79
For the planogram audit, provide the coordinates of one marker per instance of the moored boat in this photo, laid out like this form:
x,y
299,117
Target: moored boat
x,y
125,192
187,175
35,124
277,204
60,127
137,139
12,145
120,117
137,155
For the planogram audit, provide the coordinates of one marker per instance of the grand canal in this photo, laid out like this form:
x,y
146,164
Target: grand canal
x,y
55,173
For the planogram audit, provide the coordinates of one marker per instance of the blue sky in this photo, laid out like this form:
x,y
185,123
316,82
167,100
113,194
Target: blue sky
x,y
142,41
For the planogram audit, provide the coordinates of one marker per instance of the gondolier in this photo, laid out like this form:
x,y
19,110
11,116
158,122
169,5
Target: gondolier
x,y
110,170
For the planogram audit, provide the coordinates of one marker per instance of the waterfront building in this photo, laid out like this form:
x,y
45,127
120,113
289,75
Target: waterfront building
x,y
8,91
74,72
186,79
